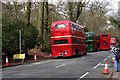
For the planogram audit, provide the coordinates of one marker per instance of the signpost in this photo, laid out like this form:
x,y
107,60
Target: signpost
x,y
20,41
19,56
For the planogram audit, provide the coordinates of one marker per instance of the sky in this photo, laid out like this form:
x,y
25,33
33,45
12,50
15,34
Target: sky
x,y
113,5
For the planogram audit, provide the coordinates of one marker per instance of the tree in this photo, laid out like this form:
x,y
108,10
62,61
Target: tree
x,y
46,14
12,23
10,38
75,9
115,21
41,23
94,16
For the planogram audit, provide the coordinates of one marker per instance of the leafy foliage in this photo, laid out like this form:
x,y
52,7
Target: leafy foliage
x,y
115,21
29,35
10,37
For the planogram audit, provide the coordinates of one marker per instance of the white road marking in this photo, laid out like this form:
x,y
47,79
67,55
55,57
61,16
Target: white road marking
x,y
59,60
83,75
104,59
97,65
90,53
108,56
83,58
60,66
36,63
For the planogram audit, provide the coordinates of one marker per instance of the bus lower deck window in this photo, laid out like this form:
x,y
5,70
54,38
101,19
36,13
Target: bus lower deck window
x,y
65,41
89,43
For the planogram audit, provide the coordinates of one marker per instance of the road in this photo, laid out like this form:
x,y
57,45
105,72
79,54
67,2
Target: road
x,y
88,66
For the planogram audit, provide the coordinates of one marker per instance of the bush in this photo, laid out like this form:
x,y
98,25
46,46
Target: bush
x,y
10,37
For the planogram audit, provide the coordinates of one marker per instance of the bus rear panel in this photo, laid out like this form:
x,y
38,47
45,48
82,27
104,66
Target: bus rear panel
x,y
104,41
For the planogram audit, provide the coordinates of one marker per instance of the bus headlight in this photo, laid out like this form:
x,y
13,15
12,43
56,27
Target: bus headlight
x,y
60,54
65,52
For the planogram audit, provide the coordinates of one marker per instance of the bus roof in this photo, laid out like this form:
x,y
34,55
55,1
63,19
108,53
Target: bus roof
x,y
60,21
89,32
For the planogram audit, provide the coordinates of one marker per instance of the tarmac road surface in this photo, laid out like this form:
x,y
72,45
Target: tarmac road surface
x,y
88,66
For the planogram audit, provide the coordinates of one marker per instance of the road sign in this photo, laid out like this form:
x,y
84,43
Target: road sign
x,y
19,56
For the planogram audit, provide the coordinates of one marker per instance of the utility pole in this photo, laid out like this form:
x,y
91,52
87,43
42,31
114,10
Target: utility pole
x,y
20,41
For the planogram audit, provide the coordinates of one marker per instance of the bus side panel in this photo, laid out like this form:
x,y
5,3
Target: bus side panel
x,y
98,42
76,49
95,43
83,47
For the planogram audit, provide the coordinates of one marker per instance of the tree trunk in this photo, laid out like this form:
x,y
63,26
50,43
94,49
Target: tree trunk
x,y
28,11
74,10
41,20
46,17
70,11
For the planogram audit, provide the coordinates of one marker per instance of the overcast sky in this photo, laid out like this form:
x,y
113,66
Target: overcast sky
x,y
113,3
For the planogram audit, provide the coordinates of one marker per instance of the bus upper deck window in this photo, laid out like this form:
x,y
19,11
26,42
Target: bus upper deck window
x,y
60,26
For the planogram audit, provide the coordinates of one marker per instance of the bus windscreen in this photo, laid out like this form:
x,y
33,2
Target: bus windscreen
x,y
60,26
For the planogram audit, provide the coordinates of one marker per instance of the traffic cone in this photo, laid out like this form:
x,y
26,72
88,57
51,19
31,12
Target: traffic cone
x,y
106,68
113,59
7,62
35,58
50,56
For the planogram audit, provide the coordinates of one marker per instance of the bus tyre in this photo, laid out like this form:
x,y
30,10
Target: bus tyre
x,y
85,53
76,51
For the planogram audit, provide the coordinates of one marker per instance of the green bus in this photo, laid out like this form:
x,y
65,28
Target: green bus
x,y
91,41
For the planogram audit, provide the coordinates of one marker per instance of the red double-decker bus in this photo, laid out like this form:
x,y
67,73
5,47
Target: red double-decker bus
x,y
67,39
104,41
95,43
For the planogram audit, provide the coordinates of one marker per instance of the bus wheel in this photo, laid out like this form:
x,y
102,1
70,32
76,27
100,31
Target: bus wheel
x,y
76,51
85,53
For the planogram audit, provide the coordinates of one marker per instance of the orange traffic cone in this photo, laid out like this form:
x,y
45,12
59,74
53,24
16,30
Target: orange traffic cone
x,y
106,68
7,62
113,59
35,57
50,56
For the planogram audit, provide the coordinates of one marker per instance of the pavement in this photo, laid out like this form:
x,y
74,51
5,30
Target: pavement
x,y
116,75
